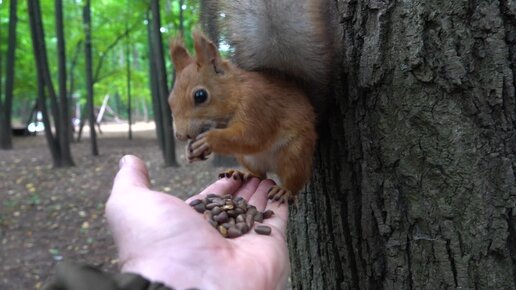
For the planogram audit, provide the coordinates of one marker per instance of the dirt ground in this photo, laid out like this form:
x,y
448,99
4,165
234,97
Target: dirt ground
x,y
48,215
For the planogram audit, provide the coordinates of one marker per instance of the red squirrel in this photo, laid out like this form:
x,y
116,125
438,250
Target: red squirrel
x,y
257,111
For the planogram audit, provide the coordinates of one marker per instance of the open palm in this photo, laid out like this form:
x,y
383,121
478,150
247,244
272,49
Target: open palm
x,y
160,237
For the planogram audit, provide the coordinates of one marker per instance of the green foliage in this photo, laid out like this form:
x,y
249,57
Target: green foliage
x,y
110,20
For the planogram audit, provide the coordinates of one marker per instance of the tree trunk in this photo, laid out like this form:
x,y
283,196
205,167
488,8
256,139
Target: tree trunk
x,y
153,83
7,104
414,184
64,116
128,70
89,77
161,76
45,85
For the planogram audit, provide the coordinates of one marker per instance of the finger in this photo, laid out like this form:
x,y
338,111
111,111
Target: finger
x,y
259,197
197,143
248,188
220,187
199,151
133,172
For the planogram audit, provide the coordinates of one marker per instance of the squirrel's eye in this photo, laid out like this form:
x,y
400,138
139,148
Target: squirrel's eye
x,y
200,96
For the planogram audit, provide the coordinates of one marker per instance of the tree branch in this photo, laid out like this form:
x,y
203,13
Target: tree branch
x,y
110,47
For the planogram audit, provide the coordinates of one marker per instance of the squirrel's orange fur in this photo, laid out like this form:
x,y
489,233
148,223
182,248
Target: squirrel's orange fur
x,y
265,121
258,111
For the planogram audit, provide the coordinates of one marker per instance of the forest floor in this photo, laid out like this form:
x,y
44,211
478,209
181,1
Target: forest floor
x,y
48,215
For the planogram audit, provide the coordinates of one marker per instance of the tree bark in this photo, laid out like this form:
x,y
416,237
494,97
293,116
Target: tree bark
x,y
89,77
128,71
46,87
153,84
161,76
64,116
414,184
7,103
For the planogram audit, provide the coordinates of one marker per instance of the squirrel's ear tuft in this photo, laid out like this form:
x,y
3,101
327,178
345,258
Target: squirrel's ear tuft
x,y
206,52
179,54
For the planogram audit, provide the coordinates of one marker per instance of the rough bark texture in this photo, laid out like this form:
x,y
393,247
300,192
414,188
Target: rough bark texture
x,y
414,184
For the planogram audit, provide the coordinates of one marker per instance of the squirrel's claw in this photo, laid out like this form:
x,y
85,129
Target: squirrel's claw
x,y
278,193
237,174
198,149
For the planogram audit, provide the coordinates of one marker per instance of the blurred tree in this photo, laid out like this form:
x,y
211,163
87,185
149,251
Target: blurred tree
x,y
46,88
6,103
86,16
157,58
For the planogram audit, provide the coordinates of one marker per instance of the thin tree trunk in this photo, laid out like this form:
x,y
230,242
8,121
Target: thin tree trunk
x,y
153,84
44,80
47,77
170,158
89,76
64,119
128,70
414,184
7,104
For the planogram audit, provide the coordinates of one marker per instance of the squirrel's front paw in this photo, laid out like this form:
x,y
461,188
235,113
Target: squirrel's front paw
x,y
278,193
198,149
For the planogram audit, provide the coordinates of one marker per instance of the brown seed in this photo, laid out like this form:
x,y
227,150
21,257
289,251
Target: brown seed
x,y
233,232
228,206
267,214
240,218
262,230
211,195
251,210
210,206
218,201
208,215
238,199
242,227
232,213
249,220
200,208
232,220
195,202
216,210
227,196
258,217
227,225
213,223
223,231
221,217
239,210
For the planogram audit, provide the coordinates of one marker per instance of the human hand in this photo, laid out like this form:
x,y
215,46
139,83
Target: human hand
x,y
162,238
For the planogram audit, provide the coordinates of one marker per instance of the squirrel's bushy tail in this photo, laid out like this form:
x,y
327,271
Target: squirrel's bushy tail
x,y
294,37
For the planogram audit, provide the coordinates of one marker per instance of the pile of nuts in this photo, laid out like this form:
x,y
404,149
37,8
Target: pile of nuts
x,y
232,217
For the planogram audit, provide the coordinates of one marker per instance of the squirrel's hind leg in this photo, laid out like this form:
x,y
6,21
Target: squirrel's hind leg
x,y
294,168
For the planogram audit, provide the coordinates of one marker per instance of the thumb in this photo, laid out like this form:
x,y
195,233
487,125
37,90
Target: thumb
x,y
132,173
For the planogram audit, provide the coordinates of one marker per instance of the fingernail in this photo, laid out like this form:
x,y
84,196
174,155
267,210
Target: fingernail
x,y
122,162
